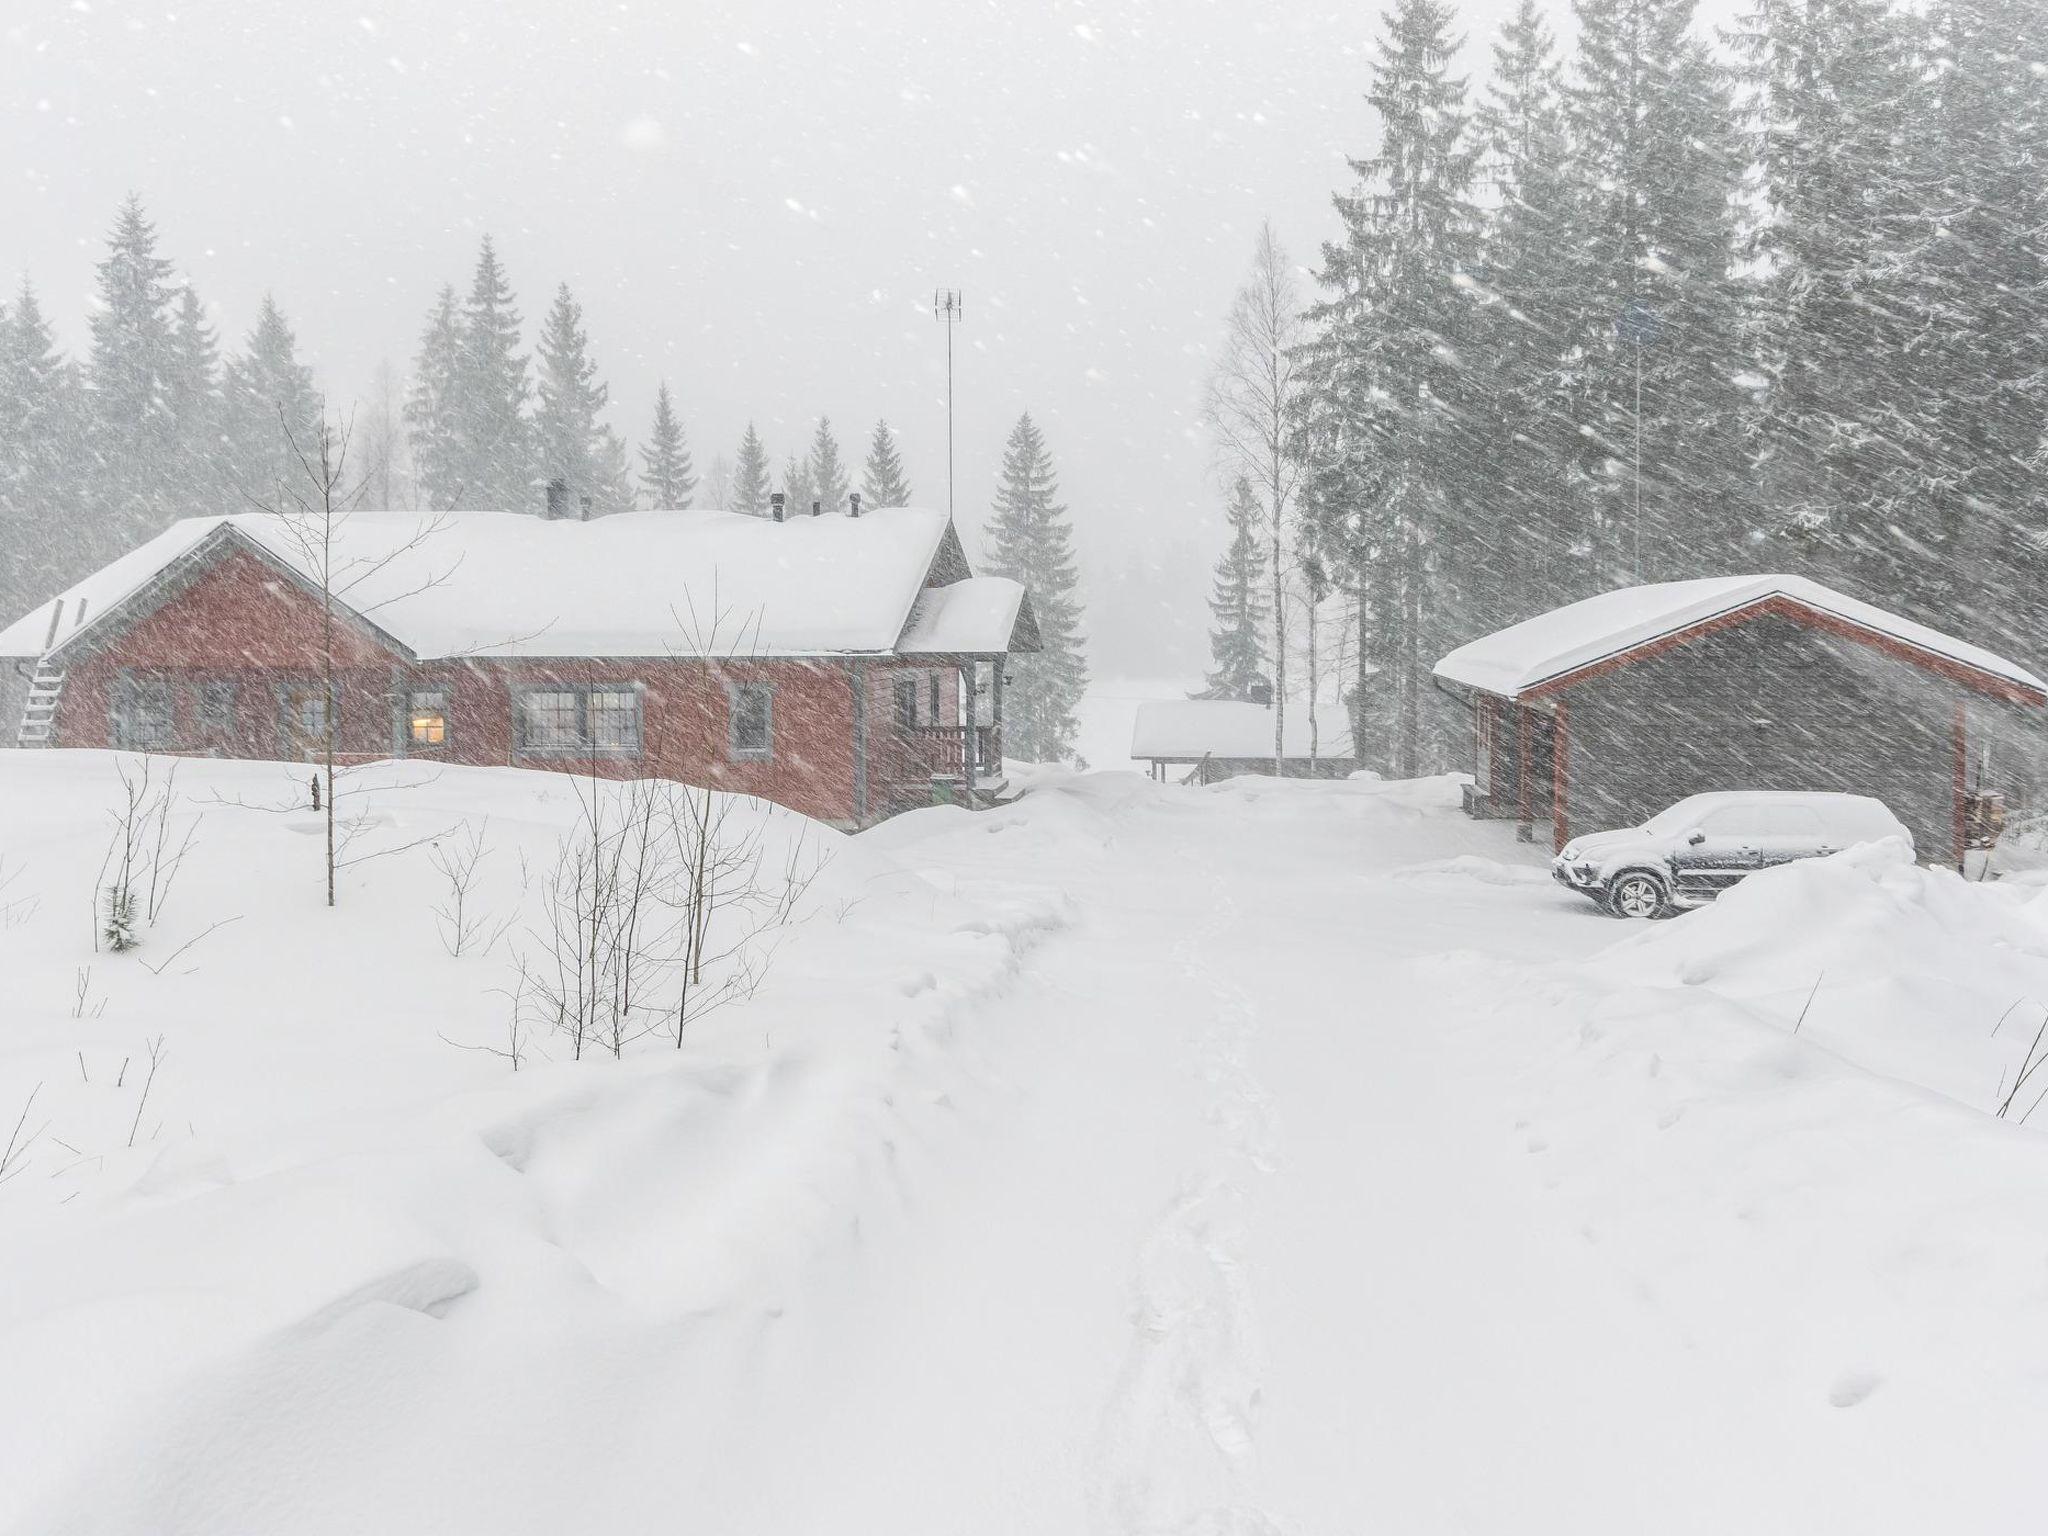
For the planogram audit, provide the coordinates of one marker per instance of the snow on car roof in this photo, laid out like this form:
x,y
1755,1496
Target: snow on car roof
x,y
1512,661
511,584
975,617
1174,730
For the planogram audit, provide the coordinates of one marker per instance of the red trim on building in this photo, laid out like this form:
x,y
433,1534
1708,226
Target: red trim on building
x,y
1560,777
1962,782
1804,614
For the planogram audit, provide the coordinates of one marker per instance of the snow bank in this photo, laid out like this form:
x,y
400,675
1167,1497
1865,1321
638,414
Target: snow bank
x,y
343,1219
1911,972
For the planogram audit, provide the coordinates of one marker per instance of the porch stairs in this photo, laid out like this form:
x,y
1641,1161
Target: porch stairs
x,y
39,716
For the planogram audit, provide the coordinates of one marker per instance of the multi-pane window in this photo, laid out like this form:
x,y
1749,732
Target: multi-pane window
x,y
614,719
217,709
752,709
427,718
143,718
579,719
906,703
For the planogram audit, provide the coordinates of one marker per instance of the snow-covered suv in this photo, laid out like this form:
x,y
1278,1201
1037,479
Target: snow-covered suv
x,y
1687,855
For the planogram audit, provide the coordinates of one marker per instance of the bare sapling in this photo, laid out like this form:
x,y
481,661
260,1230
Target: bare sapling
x,y
157,1053
142,860
2031,1063
14,1159
464,926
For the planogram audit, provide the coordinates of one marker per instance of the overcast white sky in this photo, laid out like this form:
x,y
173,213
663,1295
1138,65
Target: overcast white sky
x,y
753,200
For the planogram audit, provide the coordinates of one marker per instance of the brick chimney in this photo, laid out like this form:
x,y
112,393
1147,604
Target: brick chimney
x,y
585,508
776,502
853,505
817,508
557,504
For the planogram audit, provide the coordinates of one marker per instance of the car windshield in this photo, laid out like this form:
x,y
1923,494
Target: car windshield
x,y
1675,818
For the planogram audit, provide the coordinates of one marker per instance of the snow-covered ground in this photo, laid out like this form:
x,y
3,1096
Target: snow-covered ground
x,y
1271,1158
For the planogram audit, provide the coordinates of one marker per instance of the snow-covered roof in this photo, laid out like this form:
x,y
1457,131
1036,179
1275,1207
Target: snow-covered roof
x,y
974,617
1187,730
636,584
1525,656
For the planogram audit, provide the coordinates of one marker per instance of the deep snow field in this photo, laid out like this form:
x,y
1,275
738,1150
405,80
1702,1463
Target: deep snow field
x,y
1270,1158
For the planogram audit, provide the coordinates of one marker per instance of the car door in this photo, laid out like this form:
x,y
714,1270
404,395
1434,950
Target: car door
x,y
1716,853
1788,832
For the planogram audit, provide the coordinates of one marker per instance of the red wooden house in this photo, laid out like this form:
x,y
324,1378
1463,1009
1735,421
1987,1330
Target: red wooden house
x,y
1601,713
847,666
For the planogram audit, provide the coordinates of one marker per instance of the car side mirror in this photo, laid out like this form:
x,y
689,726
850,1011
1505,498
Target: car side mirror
x,y
1695,837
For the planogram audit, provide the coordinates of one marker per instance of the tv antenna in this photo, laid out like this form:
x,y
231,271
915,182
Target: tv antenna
x,y
946,307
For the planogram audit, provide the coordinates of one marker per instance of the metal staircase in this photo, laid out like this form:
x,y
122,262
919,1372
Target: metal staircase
x,y
39,718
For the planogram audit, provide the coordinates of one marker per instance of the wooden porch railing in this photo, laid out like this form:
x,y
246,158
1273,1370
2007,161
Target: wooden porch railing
x,y
944,748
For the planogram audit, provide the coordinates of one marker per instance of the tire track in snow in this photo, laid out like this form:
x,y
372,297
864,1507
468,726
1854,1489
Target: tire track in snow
x,y
1176,1447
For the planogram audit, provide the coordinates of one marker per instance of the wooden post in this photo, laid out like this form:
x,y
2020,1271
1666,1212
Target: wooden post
x,y
1525,811
1560,779
860,743
967,753
995,688
1961,784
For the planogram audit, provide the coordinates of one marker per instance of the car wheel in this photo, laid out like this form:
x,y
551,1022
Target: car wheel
x,y
1637,894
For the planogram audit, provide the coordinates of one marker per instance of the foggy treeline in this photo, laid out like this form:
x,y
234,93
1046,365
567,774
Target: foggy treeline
x,y
159,421
1799,267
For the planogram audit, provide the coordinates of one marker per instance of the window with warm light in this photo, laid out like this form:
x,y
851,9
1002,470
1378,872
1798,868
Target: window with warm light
x,y
427,718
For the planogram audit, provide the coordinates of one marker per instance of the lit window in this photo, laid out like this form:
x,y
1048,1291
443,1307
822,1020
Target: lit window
x,y
615,719
427,718
752,710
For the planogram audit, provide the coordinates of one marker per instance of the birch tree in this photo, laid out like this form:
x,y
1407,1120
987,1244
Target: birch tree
x,y
1251,409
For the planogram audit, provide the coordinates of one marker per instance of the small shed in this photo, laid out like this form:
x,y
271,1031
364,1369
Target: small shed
x,y
1601,713
1213,739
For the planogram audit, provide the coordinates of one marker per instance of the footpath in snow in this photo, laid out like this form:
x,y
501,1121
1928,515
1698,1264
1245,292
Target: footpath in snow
x,y
1272,1158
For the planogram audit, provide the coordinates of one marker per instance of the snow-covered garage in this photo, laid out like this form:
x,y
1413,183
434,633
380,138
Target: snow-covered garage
x,y
1600,713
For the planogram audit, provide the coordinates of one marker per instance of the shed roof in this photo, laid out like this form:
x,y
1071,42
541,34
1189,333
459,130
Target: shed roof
x,y
1555,649
511,584
1187,730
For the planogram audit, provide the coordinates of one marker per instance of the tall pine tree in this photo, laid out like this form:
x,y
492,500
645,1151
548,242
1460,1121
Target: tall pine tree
x,y
1029,542
1391,398
752,480
829,483
42,469
799,490
491,444
203,484
882,480
430,408
668,480
1238,603
267,405
571,441
135,440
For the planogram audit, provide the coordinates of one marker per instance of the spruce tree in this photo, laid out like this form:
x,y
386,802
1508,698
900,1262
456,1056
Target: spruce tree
x,y
265,391
134,437
1658,325
829,483
1389,391
1029,542
882,481
752,480
203,484
668,480
1238,603
43,470
430,408
799,490
571,441
492,440
1524,557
